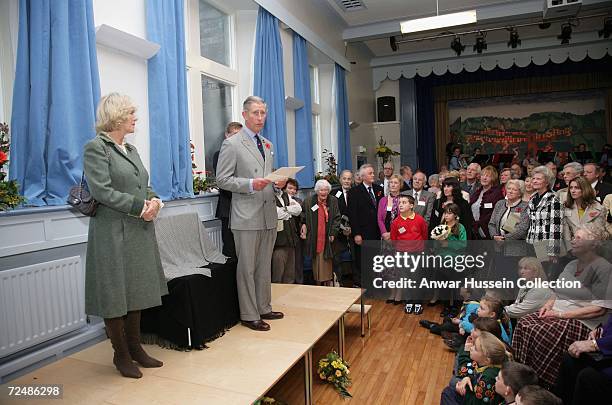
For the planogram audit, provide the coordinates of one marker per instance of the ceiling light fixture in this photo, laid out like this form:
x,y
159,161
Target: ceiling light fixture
x,y
566,34
514,38
607,28
481,43
438,21
457,46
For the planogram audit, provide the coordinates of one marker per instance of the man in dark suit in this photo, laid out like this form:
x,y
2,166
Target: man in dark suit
x,y
472,175
224,203
423,199
592,174
406,173
388,169
363,205
343,245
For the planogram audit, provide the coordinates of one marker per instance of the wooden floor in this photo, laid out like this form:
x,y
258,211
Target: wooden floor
x,y
399,363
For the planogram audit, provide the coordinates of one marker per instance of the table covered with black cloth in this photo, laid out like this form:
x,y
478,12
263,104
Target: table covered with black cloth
x,y
208,306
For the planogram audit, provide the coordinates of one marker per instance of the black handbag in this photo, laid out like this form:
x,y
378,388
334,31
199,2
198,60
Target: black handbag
x,y
80,198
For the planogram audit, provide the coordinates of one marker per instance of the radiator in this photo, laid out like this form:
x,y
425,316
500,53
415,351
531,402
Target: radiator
x,y
40,302
215,235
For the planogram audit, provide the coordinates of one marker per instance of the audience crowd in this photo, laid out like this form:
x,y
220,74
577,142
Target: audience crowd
x,y
541,345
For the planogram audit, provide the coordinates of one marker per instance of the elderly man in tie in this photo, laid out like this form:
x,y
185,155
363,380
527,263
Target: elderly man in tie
x,y
244,162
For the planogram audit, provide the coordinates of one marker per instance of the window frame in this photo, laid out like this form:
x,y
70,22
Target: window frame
x,y
316,115
198,66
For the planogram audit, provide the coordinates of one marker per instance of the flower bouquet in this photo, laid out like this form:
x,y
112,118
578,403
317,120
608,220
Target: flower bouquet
x,y
333,369
9,190
383,151
440,232
331,174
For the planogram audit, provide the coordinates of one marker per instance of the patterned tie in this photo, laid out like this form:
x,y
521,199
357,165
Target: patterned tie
x,y
260,147
372,195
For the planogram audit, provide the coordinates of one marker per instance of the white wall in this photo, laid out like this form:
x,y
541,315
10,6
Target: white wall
x,y
123,73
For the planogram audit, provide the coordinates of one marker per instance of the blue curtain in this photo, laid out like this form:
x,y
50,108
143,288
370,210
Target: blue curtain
x,y
424,87
171,175
269,82
345,161
55,94
303,116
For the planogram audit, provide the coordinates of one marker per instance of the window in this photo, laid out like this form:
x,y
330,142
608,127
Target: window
x,y
217,108
212,81
214,34
316,119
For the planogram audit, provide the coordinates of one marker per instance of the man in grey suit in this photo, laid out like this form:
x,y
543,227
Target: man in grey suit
x,y
244,161
423,199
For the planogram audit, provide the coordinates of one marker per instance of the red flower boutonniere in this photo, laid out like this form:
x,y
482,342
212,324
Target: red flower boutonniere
x,y
593,214
519,210
267,145
378,193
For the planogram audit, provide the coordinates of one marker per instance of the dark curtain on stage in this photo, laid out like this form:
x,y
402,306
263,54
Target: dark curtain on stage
x,y
433,92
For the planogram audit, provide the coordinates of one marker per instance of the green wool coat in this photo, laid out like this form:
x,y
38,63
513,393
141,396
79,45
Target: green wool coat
x,y
123,269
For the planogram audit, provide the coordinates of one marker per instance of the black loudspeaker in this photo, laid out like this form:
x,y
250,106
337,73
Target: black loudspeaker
x,y
386,108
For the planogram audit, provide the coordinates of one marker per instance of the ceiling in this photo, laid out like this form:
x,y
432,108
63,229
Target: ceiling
x,y
385,10
374,25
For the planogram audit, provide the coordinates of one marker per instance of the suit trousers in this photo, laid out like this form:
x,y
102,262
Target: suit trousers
x,y
253,273
283,265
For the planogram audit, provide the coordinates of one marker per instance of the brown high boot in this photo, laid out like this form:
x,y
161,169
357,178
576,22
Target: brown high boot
x,y
132,331
121,358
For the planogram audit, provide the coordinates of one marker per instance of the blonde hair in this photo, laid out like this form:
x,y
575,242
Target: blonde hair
x,y
113,110
493,348
533,263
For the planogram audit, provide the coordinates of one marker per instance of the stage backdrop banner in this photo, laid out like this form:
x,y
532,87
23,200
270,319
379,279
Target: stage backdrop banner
x,y
551,122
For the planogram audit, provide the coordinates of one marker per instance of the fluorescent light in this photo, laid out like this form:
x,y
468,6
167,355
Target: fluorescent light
x,y
438,21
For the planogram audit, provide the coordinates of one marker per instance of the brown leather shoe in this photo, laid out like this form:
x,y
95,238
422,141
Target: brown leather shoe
x,y
273,315
256,325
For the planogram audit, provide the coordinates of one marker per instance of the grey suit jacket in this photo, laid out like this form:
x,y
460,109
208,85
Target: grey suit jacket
x,y
239,162
424,206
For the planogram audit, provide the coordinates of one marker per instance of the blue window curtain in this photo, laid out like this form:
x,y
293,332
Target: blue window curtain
x,y
56,90
269,82
345,162
303,116
171,175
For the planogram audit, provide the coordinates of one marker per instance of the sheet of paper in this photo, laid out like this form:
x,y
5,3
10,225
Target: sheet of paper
x,y
284,173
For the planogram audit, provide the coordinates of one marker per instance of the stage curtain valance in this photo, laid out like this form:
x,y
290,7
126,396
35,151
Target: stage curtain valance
x,y
523,85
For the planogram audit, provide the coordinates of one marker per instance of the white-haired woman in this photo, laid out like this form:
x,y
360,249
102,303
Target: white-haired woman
x,y
123,272
320,226
529,300
571,313
545,216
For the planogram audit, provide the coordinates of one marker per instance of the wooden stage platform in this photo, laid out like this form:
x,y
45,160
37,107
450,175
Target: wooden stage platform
x,y
237,368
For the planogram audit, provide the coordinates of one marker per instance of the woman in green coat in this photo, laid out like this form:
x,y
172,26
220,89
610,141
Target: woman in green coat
x,y
123,269
320,226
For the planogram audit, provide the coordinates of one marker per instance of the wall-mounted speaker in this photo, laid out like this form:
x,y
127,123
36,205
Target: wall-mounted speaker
x,y
386,108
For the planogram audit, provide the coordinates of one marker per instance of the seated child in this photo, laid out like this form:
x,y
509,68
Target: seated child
x,y
489,352
468,310
536,395
408,231
512,377
492,307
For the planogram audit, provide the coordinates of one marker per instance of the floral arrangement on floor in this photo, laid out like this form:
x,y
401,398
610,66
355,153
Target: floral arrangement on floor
x,y
334,370
269,401
203,180
9,189
383,151
331,174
